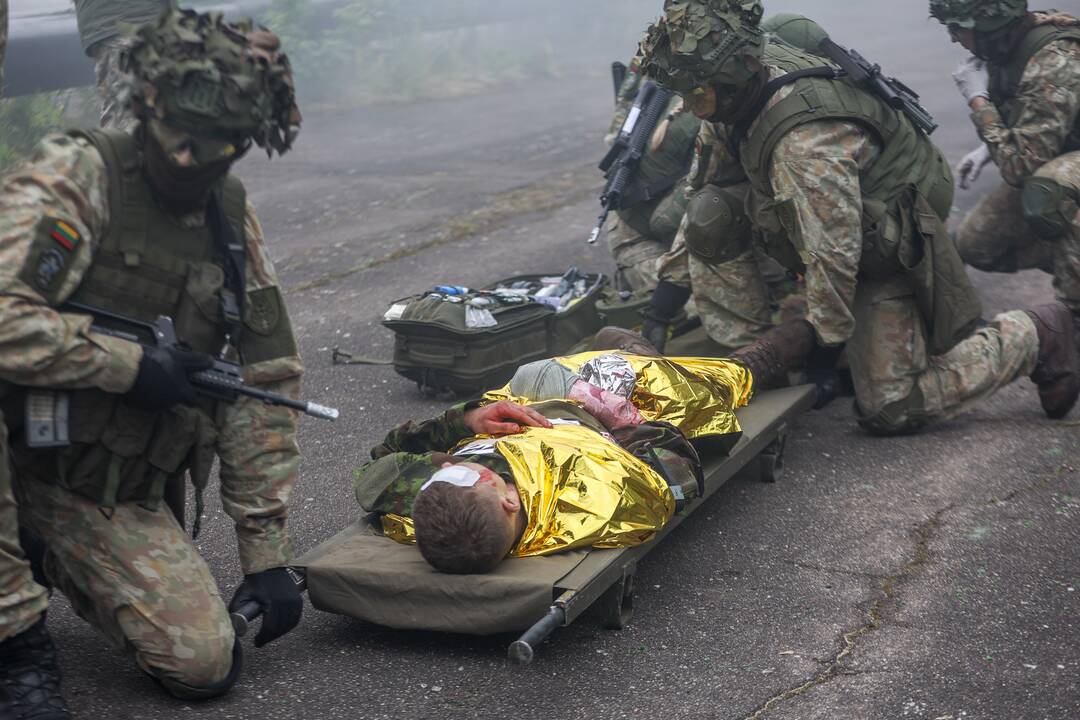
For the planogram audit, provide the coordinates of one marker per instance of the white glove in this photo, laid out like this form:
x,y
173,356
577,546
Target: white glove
x,y
972,79
969,169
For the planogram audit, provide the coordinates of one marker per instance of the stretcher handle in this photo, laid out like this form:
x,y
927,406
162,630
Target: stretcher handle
x,y
251,611
522,650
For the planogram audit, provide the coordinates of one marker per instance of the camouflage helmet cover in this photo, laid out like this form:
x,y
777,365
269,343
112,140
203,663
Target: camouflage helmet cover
x,y
213,78
704,42
981,15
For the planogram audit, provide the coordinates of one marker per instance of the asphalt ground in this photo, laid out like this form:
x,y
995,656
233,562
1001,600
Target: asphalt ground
x,y
932,576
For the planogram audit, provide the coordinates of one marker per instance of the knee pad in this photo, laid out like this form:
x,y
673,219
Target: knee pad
x,y
183,691
1044,202
717,227
902,417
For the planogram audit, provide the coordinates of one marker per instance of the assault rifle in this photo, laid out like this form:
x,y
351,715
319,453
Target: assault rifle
x,y
621,163
222,381
895,93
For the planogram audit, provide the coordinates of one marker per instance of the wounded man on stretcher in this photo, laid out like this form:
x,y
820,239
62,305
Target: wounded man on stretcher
x,y
590,450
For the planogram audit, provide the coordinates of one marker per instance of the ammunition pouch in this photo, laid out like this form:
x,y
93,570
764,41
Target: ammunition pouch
x,y
1047,207
120,453
717,227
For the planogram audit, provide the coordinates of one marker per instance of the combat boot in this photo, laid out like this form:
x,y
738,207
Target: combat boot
x,y
30,677
1057,372
784,347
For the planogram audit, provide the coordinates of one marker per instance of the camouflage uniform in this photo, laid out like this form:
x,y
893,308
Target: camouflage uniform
x,y
132,573
808,200
818,166
740,298
995,236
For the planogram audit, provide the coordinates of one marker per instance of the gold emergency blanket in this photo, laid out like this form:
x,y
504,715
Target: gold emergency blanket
x,y
697,395
579,489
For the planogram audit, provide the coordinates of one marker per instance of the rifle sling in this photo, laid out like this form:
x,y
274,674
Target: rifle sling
x,y
234,257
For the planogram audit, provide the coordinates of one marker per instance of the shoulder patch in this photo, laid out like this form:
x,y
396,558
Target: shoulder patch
x,y
51,256
263,310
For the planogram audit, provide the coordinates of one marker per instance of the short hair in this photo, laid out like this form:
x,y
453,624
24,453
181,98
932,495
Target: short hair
x,y
457,532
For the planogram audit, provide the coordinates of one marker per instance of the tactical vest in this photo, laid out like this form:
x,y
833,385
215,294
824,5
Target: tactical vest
x,y
906,194
144,265
651,208
1005,79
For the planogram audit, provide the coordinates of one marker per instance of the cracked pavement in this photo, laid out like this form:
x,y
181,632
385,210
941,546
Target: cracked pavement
x,y
932,577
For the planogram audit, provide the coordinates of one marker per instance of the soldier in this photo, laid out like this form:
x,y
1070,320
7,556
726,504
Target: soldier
x,y
146,223
1023,87
645,224
102,38
846,191
739,292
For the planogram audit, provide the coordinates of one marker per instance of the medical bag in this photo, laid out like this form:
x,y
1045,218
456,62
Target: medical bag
x,y
453,339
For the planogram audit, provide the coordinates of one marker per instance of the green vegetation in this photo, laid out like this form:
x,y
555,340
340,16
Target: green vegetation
x,y
25,120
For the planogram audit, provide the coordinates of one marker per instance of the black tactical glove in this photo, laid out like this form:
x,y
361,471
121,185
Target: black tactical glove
x,y
275,591
667,301
821,371
163,377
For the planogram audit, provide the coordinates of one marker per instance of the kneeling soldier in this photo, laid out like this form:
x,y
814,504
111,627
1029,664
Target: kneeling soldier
x,y
96,425
1023,87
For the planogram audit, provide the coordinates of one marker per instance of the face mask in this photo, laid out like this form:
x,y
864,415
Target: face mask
x,y
733,102
181,190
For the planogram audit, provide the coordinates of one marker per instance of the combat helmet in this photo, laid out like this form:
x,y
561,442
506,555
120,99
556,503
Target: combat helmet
x,y
704,43
992,20
214,79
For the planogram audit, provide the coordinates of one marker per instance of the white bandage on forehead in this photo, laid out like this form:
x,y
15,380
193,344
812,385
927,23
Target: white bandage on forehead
x,y
455,475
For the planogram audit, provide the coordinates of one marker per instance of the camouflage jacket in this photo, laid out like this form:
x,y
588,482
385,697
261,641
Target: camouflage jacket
x,y
1048,104
409,455
816,166
66,179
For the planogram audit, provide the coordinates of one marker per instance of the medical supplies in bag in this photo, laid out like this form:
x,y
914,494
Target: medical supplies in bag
x,y
462,340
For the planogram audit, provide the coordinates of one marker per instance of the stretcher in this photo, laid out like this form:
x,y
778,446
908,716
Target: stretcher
x,y
360,573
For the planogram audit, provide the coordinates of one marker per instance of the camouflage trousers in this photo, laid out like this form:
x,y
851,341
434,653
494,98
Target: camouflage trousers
x,y
21,599
995,237
132,573
114,85
900,388
635,256
737,300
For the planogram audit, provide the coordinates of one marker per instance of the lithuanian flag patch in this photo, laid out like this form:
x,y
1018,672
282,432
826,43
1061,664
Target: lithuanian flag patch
x,y
65,235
